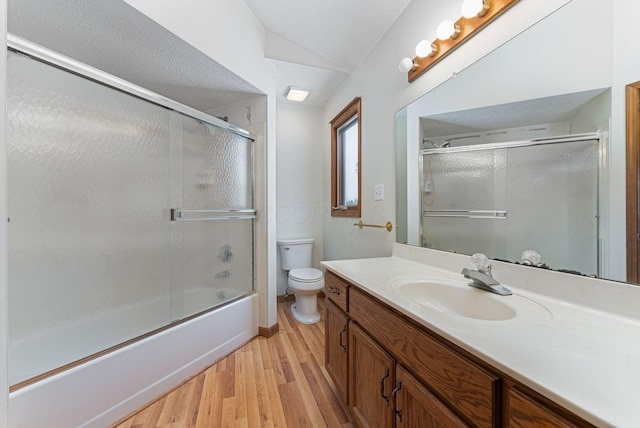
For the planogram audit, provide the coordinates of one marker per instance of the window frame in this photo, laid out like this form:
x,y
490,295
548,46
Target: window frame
x,y
354,108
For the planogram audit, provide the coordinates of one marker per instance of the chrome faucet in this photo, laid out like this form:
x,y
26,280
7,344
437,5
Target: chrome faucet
x,y
482,278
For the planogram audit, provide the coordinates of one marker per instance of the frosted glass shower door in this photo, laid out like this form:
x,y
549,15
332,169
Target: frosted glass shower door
x,y
461,192
553,190
510,197
213,229
88,233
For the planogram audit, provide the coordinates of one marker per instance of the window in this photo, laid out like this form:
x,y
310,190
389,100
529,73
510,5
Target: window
x,y
345,161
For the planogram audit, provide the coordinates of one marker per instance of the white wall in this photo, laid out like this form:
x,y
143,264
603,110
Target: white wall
x,y
228,32
585,35
299,203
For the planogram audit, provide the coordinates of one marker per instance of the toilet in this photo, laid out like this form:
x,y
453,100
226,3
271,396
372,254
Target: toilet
x,y
303,280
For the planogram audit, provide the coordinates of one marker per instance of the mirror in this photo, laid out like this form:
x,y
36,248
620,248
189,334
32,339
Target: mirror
x,y
520,92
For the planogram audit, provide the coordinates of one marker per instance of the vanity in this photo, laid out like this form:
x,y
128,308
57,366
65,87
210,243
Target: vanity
x,y
409,344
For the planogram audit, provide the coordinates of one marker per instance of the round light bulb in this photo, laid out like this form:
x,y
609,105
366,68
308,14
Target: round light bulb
x,y
406,65
425,48
473,8
447,30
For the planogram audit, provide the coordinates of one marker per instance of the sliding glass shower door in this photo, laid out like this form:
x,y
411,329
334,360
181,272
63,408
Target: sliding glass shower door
x,y
502,199
213,229
125,217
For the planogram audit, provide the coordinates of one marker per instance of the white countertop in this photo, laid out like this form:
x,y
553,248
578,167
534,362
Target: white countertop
x,y
585,359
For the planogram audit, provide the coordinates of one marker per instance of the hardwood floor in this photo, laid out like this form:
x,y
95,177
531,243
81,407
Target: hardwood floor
x,y
275,382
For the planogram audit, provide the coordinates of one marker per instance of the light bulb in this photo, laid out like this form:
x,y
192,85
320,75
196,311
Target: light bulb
x,y
447,30
426,48
473,8
406,65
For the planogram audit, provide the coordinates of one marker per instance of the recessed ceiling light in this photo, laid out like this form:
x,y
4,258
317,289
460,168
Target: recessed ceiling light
x,y
295,94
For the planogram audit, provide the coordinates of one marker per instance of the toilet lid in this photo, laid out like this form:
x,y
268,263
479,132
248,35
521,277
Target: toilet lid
x,y
305,274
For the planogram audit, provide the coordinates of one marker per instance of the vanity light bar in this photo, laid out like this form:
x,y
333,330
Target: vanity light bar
x,y
465,28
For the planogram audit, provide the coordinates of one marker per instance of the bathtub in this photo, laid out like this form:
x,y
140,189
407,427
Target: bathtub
x,y
104,390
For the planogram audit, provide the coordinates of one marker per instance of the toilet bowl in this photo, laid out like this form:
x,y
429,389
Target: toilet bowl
x,y
303,281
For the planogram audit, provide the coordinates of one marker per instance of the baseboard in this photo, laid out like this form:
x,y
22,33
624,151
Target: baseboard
x,y
286,298
268,331
291,298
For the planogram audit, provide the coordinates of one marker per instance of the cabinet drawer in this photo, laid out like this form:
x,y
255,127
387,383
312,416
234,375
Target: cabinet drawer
x,y
526,412
469,389
336,290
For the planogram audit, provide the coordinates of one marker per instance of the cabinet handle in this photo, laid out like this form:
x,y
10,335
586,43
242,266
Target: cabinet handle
x,y
344,330
385,397
393,394
333,291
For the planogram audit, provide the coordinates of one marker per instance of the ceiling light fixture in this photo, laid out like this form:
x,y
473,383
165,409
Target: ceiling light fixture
x,y
476,14
296,94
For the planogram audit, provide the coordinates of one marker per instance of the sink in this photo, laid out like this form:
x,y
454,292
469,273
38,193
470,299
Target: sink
x,y
455,297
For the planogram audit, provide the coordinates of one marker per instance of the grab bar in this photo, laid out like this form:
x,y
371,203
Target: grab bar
x,y
466,213
179,214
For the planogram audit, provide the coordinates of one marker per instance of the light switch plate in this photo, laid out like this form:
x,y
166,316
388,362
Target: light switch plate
x,y
378,192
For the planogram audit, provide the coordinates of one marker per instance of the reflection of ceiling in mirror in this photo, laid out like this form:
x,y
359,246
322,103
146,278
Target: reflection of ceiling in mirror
x,y
530,112
118,39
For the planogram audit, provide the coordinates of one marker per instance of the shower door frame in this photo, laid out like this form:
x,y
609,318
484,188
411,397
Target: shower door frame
x,y
24,47
20,45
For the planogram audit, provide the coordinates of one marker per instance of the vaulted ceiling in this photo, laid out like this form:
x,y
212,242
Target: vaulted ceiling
x,y
316,44
312,44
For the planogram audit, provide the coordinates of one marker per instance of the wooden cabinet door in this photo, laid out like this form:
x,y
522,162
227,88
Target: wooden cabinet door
x,y
371,381
336,343
416,407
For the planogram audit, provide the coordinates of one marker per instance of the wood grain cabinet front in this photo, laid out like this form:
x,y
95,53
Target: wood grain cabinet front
x,y
416,406
336,347
337,290
523,411
371,381
472,391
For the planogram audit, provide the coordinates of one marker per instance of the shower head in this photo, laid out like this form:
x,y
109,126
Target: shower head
x,y
433,143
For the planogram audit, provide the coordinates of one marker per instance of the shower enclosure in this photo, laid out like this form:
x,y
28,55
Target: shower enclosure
x,y
128,213
501,199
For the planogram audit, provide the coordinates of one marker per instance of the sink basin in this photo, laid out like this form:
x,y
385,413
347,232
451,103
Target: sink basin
x,y
457,298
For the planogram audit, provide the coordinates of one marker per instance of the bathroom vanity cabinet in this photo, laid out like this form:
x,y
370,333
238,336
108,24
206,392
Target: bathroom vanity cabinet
x,y
394,372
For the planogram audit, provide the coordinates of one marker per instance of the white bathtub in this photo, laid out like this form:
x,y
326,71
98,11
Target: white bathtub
x,y
110,387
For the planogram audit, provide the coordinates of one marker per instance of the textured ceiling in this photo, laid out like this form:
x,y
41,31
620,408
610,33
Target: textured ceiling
x,y
115,37
342,32
312,44
556,109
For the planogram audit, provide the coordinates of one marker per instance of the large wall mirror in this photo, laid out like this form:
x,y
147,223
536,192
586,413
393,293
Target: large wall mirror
x,y
514,153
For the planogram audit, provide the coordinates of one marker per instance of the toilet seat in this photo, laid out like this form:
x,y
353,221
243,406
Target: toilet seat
x,y
305,275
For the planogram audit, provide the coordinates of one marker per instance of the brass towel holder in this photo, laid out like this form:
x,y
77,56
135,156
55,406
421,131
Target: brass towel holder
x,y
388,225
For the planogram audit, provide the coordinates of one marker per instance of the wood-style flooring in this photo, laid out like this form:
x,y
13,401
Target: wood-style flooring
x,y
275,382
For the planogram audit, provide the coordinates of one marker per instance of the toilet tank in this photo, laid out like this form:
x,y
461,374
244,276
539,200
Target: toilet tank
x,y
295,253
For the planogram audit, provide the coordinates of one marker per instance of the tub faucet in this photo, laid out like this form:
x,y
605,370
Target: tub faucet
x,y
482,278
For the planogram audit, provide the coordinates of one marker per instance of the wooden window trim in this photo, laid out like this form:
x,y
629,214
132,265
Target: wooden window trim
x,y
633,180
354,107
